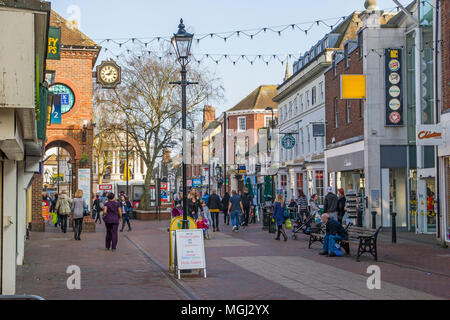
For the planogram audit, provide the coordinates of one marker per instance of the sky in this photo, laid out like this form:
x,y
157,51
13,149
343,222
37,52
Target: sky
x,y
118,19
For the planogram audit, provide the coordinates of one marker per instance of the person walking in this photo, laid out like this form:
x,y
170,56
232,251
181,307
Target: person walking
x,y
341,205
53,209
98,207
79,206
214,205
235,208
126,211
246,205
330,204
278,215
64,207
302,205
112,215
225,203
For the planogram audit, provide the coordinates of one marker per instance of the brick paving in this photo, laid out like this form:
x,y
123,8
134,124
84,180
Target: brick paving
x,y
245,265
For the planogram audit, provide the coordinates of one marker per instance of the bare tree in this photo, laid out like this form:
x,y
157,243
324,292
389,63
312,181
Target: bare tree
x,y
150,107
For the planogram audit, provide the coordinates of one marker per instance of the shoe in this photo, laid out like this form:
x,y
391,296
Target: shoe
x,y
285,239
214,230
129,230
323,253
217,230
234,228
121,230
277,238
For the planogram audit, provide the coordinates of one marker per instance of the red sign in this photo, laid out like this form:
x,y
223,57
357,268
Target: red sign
x,y
163,186
46,210
105,187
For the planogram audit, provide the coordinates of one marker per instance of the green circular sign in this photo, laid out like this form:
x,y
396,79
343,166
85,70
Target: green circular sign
x,y
288,141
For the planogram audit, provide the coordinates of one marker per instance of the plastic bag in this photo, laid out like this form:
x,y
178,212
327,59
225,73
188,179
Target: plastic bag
x,y
54,217
288,224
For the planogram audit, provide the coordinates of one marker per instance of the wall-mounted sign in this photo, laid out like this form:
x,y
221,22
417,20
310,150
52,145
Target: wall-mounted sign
x,y
353,86
429,135
288,141
54,43
393,84
318,130
105,187
196,183
242,169
55,117
66,98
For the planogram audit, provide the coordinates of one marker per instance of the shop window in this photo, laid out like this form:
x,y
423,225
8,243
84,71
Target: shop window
x,y
319,185
300,182
284,180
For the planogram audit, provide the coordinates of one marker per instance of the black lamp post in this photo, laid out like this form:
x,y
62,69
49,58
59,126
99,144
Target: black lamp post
x,y
270,146
182,42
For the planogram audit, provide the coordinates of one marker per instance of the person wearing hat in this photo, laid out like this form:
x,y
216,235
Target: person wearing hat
x,y
330,206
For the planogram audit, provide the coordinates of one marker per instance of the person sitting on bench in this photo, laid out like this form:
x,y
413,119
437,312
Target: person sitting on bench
x,y
334,231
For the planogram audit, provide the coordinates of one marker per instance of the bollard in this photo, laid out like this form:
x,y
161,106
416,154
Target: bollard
x,y
374,219
394,227
359,219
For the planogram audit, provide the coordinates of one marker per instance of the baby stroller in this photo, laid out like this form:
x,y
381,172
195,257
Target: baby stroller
x,y
302,225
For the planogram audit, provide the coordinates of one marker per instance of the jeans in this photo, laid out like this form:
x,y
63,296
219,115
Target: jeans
x,y
77,227
111,235
234,215
215,219
246,216
63,222
329,242
126,219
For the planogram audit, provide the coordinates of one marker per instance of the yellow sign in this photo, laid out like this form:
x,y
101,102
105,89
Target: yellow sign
x,y
177,224
394,53
353,86
126,171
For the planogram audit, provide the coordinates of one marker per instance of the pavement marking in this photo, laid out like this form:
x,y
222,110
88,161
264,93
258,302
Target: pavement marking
x,y
321,281
175,282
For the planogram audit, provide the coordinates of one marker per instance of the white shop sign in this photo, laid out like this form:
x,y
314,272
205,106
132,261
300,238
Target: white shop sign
x,y
190,250
84,184
429,135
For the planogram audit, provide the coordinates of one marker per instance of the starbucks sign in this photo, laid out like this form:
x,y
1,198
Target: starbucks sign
x,y
288,141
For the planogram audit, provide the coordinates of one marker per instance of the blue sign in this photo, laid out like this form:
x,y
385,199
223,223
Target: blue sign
x,y
65,100
56,112
196,183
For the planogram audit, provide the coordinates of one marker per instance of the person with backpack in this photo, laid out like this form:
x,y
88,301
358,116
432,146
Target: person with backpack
x,y
330,205
214,206
126,211
64,207
246,204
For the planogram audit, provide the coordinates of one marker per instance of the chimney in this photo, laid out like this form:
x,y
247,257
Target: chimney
x,y
209,114
371,16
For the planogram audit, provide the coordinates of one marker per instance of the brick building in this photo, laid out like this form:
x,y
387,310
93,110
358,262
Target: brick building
x,y
344,156
71,75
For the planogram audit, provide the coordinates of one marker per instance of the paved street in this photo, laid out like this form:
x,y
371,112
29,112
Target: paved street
x,y
244,265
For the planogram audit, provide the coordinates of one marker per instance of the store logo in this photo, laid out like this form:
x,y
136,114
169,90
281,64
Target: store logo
x,y
374,281
429,135
394,65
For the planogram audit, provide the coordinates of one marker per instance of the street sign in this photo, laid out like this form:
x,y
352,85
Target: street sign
x,y
288,141
105,187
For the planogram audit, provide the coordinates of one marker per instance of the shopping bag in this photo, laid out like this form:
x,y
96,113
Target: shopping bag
x,y
54,217
337,250
288,224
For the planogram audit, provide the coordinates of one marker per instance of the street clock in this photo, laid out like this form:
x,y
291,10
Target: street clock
x,y
108,74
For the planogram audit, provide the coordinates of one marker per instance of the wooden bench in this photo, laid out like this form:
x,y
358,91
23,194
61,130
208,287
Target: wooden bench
x,y
366,239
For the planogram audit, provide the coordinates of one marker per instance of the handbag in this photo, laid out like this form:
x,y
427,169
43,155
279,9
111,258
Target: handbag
x,y
288,224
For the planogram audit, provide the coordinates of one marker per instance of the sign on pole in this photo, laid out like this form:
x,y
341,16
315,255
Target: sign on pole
x,y
190,250
393,83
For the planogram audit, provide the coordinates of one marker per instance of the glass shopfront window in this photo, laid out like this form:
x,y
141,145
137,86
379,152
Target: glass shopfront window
x,y
319,186
447,170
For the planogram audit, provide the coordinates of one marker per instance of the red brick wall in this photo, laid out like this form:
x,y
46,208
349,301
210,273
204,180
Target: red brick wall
x,y
37,222
445,47
332,90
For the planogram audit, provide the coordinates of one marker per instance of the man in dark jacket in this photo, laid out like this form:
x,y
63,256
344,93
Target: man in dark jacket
x,y
246,203
334,231
330,204
214,205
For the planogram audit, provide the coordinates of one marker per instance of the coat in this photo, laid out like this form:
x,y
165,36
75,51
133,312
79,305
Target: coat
x,y
78,207
214,203
278,213
63,205
331,203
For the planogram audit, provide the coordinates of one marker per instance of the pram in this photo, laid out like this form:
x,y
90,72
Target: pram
x,y
301,225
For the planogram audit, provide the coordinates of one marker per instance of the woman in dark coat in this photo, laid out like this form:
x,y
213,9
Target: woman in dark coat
x,y
278,215
225,202
193,205
112,214
341,204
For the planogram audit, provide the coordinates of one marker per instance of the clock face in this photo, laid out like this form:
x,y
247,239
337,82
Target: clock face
x,y
109,74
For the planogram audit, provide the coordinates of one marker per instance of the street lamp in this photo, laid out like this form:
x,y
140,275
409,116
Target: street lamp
x,y
182,42
270,146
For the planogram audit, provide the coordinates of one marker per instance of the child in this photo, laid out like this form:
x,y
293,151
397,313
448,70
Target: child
x,y
201,224
205,213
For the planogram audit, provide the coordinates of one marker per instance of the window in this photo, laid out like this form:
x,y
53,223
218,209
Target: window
x,y
284,180
360,42
361,108
301,103
299,182
267,121
313,96
346,55
247,148
242,124
296,104
307,99
319,186
308,143
302,144
321,91
335,112
290,110
349,111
